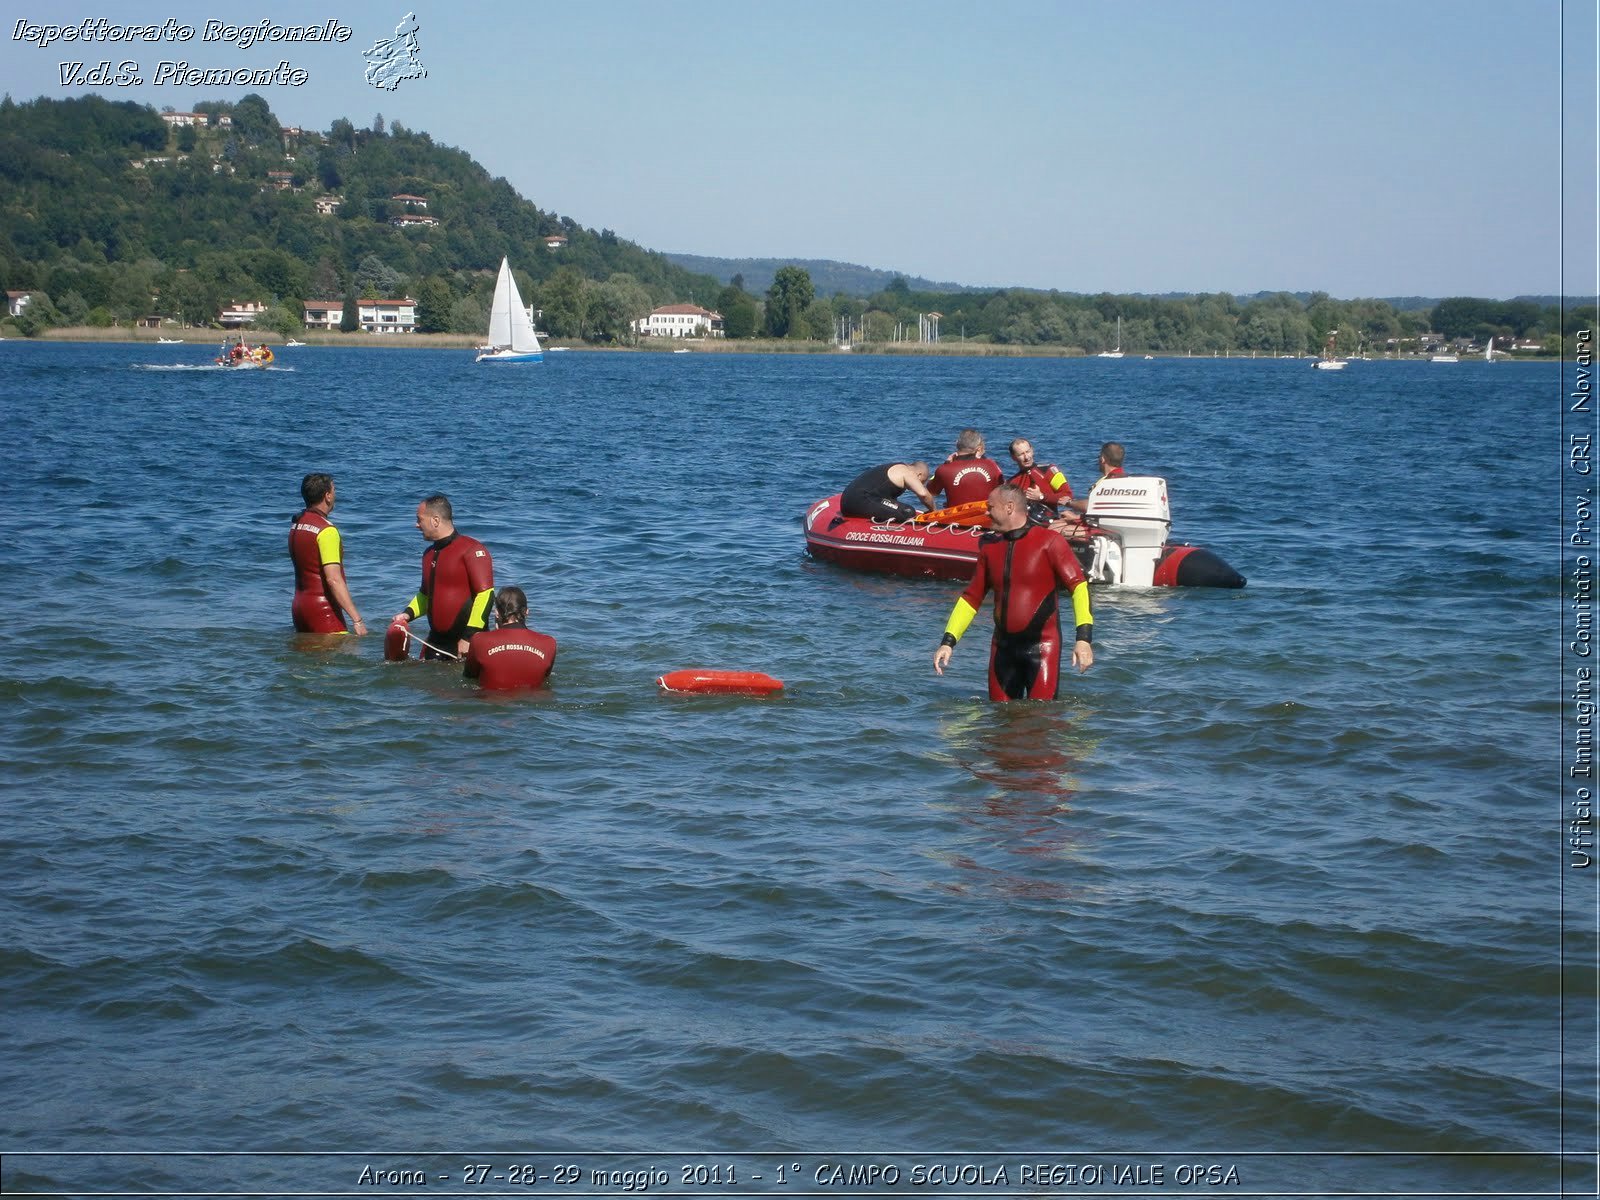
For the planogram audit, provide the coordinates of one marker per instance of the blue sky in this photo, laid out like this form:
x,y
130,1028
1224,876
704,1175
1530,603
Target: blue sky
x,y
1364,149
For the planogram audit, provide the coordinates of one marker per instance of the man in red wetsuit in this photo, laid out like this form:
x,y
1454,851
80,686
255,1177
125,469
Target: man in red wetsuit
x,y
1041,485
1111,456
1023,564
967,475
457,582
512,656
321,595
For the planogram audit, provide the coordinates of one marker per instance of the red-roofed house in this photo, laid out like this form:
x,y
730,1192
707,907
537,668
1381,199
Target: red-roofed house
x,y
680,320
324,314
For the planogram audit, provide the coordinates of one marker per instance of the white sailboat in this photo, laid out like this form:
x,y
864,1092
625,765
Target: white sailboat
x,y
1488,349
511,335
1117,353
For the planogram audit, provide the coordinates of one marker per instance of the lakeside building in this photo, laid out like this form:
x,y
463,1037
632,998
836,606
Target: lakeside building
x,y
239,314
387,316
323,314
681,321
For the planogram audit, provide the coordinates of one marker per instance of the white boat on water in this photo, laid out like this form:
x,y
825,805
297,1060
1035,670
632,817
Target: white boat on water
x,y
169,341
1328,362
293,342
1117,353
1488,350
511,335
1446,358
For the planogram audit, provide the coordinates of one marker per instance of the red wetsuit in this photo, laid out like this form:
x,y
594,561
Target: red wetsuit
x,y
966,478
314,544
1049,480
1023,568
457,587
510,657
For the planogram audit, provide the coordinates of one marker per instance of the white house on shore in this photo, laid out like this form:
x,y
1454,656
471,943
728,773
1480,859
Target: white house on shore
x,y
387,316
241,313
324,314
680,320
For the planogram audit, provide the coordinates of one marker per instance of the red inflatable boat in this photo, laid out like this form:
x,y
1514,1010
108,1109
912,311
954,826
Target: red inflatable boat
x,y
1124,541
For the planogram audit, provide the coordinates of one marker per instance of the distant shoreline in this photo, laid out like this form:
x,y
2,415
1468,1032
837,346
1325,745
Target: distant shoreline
x,y
212,338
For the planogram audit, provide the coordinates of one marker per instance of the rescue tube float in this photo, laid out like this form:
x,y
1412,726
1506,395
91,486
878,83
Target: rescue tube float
x,y
394,641
703,681
1123,540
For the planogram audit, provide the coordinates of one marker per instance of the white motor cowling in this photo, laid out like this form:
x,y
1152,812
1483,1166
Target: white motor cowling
x,y
1134,508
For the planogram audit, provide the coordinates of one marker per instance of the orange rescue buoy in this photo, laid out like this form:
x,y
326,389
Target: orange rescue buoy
x,y
701,680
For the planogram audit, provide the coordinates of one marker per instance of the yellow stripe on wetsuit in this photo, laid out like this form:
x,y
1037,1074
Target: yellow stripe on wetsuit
x,y
1081,615
960,617
328,547
478,617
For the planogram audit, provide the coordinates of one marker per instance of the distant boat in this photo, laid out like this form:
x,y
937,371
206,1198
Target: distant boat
x,y
170,341
1488,350
292,342
1328,362
1445,358
1117,353
511,335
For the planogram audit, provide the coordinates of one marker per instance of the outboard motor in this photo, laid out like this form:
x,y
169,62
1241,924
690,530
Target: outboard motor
x,y
1133,510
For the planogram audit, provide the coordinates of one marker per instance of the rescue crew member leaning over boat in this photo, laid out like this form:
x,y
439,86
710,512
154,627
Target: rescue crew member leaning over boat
x,y
321,595
1023,564
512,656
876,491
457,581
968,474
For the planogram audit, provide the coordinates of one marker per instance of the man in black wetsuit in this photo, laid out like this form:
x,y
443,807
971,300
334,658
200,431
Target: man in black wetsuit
x,y
876,492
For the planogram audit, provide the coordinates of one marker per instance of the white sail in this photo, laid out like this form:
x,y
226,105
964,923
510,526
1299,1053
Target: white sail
x,y
510,330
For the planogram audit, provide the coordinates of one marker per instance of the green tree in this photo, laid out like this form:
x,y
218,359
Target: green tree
x,y
565,301
282,318
1459,316
433,305
253,122
818,320
469,315
350,317
74,308
741,318
788,298
376,280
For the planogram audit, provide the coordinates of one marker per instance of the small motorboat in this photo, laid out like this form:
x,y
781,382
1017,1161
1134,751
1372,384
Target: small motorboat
x,y
1122,540
294,342
260,359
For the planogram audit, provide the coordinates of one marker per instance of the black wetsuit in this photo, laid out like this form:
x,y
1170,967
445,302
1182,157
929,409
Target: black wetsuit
x,y
873,494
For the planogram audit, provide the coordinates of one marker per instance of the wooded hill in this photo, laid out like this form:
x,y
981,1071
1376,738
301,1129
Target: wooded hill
x,y
114,215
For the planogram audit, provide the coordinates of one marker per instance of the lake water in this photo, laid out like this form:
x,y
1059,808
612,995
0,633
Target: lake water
x,y
1275,889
